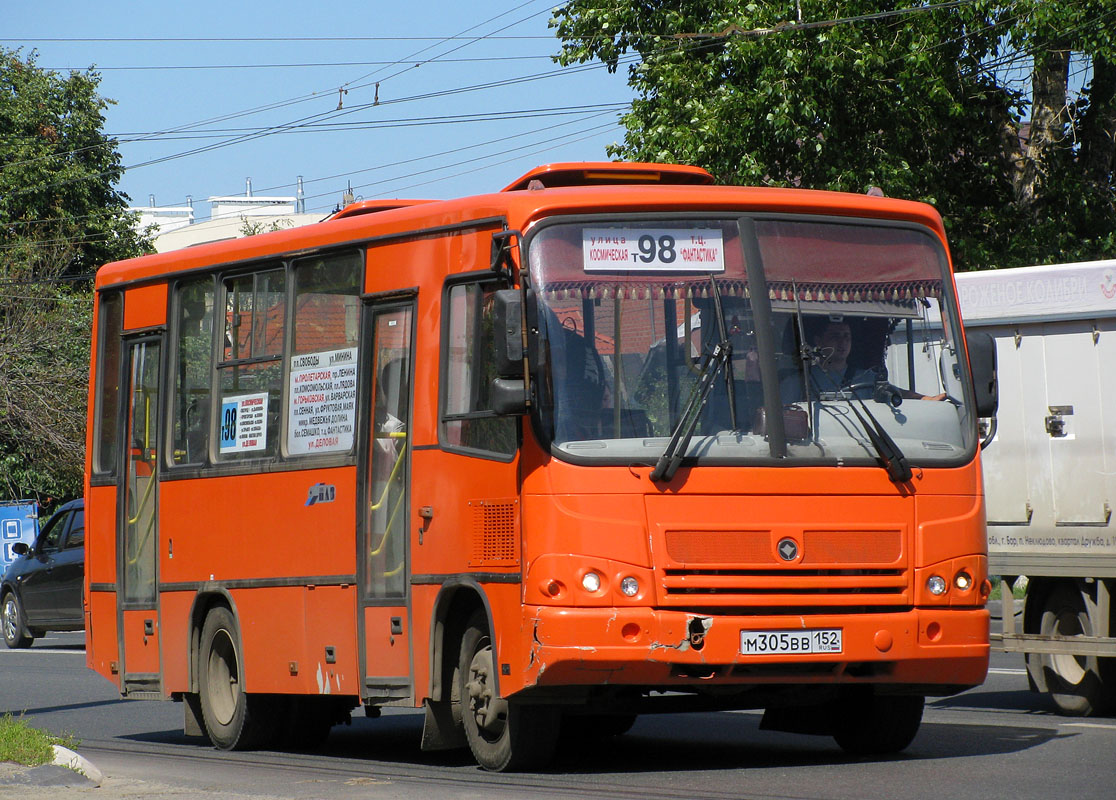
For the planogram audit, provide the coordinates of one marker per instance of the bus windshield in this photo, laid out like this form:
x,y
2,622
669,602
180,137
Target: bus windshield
x,y
697,329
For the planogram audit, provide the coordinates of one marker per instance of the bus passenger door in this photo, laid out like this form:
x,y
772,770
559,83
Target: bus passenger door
x,y
138,520
385,456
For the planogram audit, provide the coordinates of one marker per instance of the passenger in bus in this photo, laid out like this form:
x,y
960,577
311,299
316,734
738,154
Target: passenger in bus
x,y
580,387
833,369
386,446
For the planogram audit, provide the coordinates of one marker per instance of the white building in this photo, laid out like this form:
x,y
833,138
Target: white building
x,y
230,217
165,219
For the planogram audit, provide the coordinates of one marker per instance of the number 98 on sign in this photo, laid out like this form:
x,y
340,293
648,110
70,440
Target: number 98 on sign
x,y
652,250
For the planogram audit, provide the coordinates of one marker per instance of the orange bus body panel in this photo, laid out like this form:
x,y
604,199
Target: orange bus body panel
x,y
145,307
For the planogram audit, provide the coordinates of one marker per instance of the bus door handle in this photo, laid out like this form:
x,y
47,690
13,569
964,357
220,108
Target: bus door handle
x,y
426,513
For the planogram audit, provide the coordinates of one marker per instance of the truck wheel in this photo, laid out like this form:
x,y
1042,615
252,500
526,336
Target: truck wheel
x,y
1076,683
15,634
503,735
871,724
234,720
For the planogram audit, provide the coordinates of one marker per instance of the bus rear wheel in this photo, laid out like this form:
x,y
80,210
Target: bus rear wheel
x,y
503,735
234,720
872,724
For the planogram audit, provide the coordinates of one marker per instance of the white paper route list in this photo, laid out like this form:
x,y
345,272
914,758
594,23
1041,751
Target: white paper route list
x,y
322,410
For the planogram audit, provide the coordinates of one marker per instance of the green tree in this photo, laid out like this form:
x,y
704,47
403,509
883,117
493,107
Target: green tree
x,y
58,169
44,372
60,219
850,94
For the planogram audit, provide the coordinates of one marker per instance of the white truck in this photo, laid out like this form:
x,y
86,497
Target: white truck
x,y
1050,470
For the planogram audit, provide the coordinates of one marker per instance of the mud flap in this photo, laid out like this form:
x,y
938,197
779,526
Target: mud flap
x,y
439,729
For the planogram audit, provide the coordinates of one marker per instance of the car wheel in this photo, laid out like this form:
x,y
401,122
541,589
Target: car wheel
x,y
15,632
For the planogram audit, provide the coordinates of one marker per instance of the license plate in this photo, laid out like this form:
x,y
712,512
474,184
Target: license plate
x,y
761,643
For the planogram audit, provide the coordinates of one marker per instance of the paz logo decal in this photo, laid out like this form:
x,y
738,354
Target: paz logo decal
x,y
788,549
321,493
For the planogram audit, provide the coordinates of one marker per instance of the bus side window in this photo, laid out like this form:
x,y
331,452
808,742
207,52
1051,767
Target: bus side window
x,y
468,421
193,371
250,374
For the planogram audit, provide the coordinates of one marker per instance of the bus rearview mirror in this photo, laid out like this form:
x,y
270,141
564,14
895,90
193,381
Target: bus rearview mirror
x,y
507,314
982,361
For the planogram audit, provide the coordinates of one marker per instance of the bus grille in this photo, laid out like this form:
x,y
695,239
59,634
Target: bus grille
x,y
835,569
813,587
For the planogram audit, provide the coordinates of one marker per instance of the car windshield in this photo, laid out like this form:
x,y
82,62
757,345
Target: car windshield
x,y
852,332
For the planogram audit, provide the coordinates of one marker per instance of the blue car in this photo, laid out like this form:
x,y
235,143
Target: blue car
x,y
41,589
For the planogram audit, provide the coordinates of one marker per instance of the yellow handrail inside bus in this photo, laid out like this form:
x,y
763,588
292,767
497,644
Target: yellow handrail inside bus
x,y
390,525
379,503
143,501
394,468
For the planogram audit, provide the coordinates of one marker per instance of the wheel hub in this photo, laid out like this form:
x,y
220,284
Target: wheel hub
x,y
488,710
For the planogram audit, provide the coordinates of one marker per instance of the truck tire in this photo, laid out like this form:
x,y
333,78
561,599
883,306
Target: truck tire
x,y
1079,685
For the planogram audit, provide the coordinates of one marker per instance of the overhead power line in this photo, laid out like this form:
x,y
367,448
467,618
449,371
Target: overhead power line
x,y
793,25
242,39
302,65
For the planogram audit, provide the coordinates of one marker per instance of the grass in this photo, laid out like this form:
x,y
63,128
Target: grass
x,y
23,744
1018,589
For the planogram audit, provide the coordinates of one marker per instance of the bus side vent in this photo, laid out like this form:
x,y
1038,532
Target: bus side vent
x,y
494,533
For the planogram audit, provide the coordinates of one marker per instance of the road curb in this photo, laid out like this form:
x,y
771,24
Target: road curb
x,y
64,757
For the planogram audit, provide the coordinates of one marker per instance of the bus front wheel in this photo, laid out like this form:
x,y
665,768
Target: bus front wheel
x,y
872,724
234,720
503,735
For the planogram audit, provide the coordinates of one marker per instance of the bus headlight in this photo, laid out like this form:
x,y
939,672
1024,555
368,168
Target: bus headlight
x,y
629,586
936,585
963,581
591,582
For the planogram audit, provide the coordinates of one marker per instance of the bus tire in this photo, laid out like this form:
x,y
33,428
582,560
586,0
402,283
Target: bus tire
x,y
503,735
305,721
595,727
15,632
872,724
234,719
1076,683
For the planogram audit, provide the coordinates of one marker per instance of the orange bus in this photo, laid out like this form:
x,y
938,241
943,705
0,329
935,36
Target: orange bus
x,y
611,441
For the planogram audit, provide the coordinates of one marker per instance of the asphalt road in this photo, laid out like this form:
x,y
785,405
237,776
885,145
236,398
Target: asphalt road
x,y
998,740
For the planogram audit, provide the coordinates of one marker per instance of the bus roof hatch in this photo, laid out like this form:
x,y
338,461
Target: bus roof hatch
x,y
598,173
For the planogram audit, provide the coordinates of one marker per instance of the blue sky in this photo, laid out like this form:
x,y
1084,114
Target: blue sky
x,y
196,116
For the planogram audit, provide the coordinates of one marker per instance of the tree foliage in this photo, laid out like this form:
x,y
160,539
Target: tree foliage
x,y
58,169
915,101
44,373
60,219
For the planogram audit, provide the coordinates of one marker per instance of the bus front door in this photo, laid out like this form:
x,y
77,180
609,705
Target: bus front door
x,y
138,521
384,571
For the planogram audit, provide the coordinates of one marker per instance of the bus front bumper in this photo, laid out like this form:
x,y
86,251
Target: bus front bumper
x,y
933,651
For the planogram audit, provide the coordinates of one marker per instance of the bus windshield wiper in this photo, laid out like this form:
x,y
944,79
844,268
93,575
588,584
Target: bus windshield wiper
x,y
720,357
684,430
890,455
